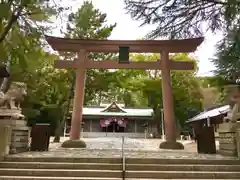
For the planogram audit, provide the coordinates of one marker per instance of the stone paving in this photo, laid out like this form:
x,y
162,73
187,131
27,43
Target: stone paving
x,y
111,147
129,144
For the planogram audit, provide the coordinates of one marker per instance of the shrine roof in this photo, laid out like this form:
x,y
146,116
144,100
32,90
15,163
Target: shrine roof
x,y
128,112
115,110
135,46
210,113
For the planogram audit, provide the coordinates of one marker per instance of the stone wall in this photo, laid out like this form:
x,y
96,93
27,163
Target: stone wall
x,y
19,141
227,138
238,141
227,143
5,140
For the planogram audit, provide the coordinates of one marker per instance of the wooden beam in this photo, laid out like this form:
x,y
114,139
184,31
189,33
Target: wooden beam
x,y
135,46
112,64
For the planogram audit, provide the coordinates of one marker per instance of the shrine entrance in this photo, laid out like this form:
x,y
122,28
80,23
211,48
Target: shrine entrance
x,y
113,125
165,64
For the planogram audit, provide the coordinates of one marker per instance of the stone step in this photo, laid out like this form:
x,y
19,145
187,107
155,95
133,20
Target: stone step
x,y
128,160
183,161
182,167
63,159
118,174
182,175
109,166
53,165
76,178
62,173
53,178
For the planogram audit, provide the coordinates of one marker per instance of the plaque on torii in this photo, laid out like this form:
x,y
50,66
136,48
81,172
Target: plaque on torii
x,y
82,63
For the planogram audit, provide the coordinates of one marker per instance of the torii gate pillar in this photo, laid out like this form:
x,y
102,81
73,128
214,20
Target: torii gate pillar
x,y
168,109
76,122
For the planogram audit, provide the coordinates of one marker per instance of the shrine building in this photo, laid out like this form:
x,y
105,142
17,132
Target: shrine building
x,y
115,120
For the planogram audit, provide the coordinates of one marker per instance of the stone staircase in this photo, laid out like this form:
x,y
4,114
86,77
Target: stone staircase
x,y
46,168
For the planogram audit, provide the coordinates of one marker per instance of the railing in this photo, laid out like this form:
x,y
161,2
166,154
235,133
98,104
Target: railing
x,y
123,160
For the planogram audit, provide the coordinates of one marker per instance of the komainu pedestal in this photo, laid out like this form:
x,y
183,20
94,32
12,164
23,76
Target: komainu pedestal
x,y
227,138
11,116
19,141
227,130
5,139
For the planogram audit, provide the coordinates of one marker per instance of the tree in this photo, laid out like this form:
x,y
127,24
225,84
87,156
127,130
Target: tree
x,y
22,23
86,23
21,47
90,23
184,18
227,61
144,89
25,14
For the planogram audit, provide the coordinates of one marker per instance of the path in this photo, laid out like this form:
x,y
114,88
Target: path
x,y
129,144
111,147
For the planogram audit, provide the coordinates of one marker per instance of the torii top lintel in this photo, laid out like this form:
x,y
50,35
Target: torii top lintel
x,y
135,46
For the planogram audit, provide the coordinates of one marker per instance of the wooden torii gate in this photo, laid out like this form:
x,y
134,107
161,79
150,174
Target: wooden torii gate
x,y
82,63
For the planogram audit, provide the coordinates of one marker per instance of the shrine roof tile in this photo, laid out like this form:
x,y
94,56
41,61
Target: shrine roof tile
x,y
128,112
210,113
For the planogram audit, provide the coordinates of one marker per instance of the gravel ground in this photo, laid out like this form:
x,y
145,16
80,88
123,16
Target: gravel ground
x,y
104,143
111,147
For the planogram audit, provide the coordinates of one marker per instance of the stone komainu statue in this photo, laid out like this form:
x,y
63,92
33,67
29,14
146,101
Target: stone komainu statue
x,y
13,97
234,113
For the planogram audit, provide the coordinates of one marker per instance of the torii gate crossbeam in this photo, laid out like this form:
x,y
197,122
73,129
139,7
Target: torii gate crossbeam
x,y
82,63
112,64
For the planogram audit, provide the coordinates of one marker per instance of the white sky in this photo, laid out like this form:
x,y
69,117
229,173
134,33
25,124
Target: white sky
x,y
127,29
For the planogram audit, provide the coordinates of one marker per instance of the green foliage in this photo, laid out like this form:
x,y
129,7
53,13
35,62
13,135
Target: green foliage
x,y
22,26
184,18
143,88
49,89
21,30
90,23
227,61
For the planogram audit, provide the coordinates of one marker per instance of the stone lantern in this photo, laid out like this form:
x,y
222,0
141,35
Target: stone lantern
x,y
228,136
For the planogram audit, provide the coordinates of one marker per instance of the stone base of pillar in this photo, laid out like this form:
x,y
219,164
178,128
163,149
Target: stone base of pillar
x,y
74,144
5,139
238,142
171,145
227,138
19,130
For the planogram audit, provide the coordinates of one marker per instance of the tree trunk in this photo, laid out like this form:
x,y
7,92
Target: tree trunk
x,y
12,20
6,82
60,124
99,98
58,131
158,119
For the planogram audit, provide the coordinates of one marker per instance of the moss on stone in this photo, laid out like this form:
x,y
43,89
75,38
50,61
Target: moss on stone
x,y
171,145
74,144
